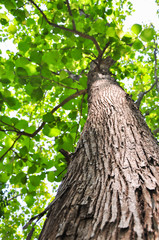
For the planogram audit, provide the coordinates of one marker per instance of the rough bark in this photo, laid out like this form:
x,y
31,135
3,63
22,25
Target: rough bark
x,y
111,190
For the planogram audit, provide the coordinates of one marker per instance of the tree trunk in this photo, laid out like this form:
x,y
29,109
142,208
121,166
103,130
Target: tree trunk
x,y
111,190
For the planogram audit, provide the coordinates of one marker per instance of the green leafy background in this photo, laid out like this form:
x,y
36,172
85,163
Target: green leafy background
x,y
51,64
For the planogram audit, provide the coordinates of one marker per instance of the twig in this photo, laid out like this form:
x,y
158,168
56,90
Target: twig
x,y
83,35
106,46
20,133
70,12
156,131
10,147
10,199
60,84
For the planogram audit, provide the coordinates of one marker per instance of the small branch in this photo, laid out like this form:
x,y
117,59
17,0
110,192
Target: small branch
x,y
140,97
10,147
60,84
19,133
83,35
156,131
69,98
10,199
78,93
70,12
8,130
106,46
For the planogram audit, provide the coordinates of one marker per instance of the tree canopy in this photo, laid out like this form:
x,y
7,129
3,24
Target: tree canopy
x,y
43,91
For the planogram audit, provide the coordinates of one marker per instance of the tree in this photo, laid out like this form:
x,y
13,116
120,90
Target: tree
x,y
111,189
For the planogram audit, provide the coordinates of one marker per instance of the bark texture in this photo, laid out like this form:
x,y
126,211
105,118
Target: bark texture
x,y
111,190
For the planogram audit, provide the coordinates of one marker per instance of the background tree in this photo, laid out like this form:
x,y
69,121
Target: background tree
x,y
43,86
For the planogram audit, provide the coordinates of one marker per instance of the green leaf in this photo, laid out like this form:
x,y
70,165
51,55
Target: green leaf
x,y
8,142
29,200
23,46
137,44
37,94
12,29
30,129
21,124
63,75
35,81
10,4
136,28
21,71
19,178
51,57
76,54
5,81
24,151
110,32
147,34
12,103
36,57
21,62
4,177
3,18
59,5
83,81
51,176
32,169
109,12
51,132
48,117
99,25
35,180
127,38
6,120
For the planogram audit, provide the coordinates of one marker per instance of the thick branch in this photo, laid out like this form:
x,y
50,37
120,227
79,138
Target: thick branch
x,y
83,35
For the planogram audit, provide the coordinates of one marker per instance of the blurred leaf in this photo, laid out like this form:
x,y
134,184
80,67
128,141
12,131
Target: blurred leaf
x,y
51,176
136,28
48,117
12,29
147,34
51,132
37,94
63,75
35,180
137,44
22,124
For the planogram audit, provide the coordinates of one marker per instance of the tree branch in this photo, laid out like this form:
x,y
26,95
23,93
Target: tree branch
x,y
10,199
78,93
70,12
83,35
156,131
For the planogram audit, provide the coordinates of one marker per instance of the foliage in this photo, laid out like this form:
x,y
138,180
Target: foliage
x,y
43,100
